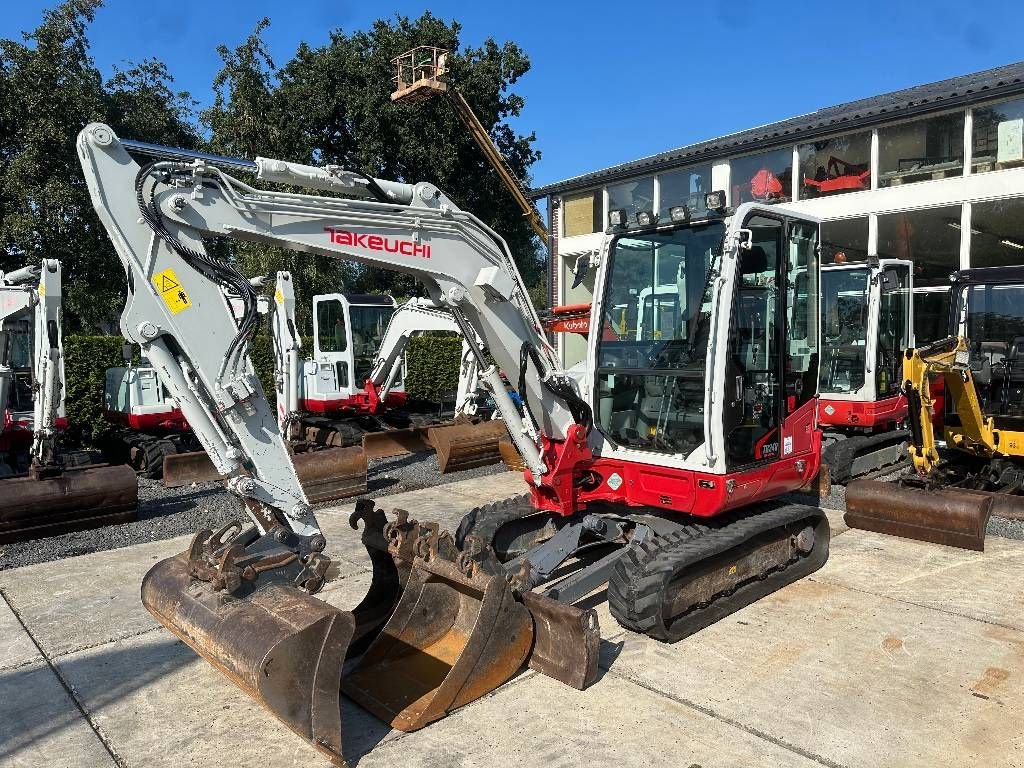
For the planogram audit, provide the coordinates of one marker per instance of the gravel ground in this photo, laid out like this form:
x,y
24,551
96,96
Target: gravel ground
x,y
168,512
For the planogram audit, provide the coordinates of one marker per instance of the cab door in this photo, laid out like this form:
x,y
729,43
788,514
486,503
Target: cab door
x,y
331,345
772,365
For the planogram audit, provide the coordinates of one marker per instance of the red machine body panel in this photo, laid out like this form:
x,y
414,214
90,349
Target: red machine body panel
x,y
849,414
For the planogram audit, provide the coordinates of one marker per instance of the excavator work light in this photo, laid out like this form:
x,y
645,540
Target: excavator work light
x,y
617,218
715,201
645,218
679,213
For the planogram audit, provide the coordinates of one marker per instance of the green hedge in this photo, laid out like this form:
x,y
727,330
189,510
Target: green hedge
x,y
433,374
86,359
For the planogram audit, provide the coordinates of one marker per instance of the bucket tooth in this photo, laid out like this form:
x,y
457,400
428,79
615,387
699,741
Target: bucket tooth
x,y
949,516
457,633
466,445
279,644
566,640
70,500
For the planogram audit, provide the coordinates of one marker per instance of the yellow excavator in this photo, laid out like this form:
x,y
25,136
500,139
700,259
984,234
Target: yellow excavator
x,y
950,499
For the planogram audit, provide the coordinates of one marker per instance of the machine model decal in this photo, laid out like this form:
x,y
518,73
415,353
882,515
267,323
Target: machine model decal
x,y
171,291
768,446
378,243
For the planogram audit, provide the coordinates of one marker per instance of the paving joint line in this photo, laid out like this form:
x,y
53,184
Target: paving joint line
x,y
902,601
101,643
820,759
68,689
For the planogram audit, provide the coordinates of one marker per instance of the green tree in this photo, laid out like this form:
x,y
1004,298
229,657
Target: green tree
x,y
331,104
49,90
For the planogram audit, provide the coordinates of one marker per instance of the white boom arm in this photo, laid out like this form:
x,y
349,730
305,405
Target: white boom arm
x,y
287,345
177,312
48,362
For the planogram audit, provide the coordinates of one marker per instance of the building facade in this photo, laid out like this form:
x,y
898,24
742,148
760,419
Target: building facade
x,y
934,174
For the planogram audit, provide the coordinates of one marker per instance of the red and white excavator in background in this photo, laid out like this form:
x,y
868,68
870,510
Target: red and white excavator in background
x,y
43,493
658,476
867,324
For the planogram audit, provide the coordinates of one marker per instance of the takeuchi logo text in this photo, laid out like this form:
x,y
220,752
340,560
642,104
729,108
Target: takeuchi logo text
x,y
377,243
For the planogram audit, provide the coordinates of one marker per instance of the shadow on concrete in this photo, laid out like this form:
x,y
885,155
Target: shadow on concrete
x,y
35,707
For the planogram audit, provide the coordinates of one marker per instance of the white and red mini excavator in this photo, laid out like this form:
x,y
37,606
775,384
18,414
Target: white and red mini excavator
x,y
658,475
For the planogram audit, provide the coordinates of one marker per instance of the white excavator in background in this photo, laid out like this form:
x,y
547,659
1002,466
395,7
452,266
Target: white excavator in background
x,y
43,494
658,477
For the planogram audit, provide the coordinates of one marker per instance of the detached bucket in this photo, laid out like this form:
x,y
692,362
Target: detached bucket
x,y
334,473
452,638
395,442
187,468
279,645
465,446
74,500
953,517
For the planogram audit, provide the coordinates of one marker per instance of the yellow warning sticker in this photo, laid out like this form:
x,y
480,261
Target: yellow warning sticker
x,y
42,289
279,297
171,291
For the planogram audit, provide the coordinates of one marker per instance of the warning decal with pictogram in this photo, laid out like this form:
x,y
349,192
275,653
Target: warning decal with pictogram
x,y
171,291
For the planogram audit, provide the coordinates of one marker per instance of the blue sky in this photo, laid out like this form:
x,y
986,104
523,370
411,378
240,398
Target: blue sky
x,y
611,81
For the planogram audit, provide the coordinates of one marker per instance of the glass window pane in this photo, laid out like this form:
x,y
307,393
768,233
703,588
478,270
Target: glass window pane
x,y
802,319
844,315
330,323
368,326
931,316
894,306
685,187
834,166
582,214
766,177
632,196
844,240
930,238
996,140
923,150
997,233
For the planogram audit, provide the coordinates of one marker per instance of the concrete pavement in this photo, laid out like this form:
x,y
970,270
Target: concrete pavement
x,y
896,653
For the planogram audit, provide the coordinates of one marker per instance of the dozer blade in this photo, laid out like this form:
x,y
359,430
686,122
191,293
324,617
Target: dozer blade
x,y
278,644
457,633
951,516
187,468
566,640
333,473
73,500
395,442
467,445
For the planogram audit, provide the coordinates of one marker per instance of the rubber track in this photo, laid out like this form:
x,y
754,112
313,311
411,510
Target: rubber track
x,y
637,587
154,452
840,455
487,520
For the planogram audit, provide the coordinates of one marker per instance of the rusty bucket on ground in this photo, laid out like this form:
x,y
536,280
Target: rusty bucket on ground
x,y
395,442
467,445
950,516
333,473
280,645
71,500
457,633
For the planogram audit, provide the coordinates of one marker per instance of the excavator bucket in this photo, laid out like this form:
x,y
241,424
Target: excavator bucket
x,y
279,645
467,445
333,473
512,458
457,633
949,516
71,500
395,442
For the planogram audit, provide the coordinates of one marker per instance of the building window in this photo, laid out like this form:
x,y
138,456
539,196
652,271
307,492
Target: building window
x,y
927,149
929,237
997,233
685,187
997,133
582,213
766,178
834,166
844,240
632,197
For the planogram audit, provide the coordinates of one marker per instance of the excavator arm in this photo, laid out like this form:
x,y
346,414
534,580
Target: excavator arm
x,y
48,366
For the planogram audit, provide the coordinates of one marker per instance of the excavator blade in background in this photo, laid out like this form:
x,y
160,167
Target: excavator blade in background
x,y
73,500
280,645
457,633
395,442
950,516
333,473
466,445
512,458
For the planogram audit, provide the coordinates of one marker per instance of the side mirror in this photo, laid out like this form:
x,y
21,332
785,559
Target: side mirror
x,y
127,352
